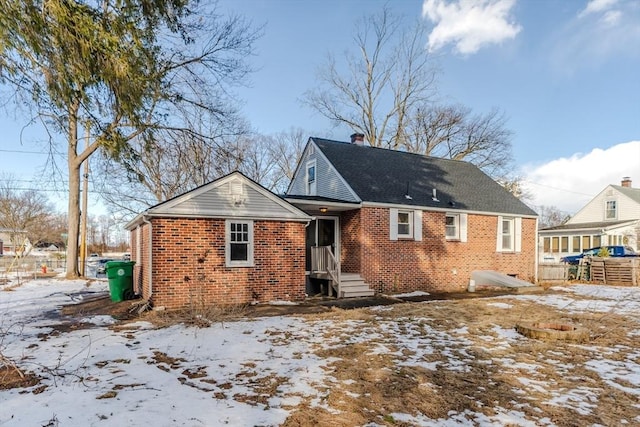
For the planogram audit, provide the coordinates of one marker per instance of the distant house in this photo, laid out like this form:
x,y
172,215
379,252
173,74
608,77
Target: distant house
x,y
610,218
14,240
227,242
390,221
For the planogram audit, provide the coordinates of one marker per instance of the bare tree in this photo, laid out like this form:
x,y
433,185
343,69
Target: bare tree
x,y
119,69
551,216
454,132
390,74
386,92
25,214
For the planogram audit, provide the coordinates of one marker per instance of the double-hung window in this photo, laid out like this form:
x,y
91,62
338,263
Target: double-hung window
x,y
456,227
239,243
452,227
610,210
510,234
405,224
507,234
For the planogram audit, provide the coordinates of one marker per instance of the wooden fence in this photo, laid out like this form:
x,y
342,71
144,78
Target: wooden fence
x,y
607,271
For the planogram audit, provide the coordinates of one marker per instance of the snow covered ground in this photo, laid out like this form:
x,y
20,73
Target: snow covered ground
x,y
261,371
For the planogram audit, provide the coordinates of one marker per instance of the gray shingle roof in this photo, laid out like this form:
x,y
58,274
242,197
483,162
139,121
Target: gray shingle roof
x,y
632,193
386,176
586,225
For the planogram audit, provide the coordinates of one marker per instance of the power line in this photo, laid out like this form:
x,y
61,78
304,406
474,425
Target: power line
x,y
27,152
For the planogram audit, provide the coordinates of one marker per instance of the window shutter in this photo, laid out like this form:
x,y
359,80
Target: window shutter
x,y
518,234
417,226
393,224
499,235
463,227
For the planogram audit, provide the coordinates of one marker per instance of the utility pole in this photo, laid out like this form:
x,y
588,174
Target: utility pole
x,y
83,217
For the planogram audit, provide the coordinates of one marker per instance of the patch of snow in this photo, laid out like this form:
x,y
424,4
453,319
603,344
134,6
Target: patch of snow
x,y
411,294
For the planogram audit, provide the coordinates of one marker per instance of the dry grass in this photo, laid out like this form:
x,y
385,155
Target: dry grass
x,y
527,376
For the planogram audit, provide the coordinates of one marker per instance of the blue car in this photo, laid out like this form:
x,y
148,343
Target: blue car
x,y
614,251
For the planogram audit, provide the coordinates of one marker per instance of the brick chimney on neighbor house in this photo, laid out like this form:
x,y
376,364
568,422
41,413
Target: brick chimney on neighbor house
x,y
626,181
357,138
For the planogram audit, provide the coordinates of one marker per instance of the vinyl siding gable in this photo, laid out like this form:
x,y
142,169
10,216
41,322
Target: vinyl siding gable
x,y
231,197
594,211
329,183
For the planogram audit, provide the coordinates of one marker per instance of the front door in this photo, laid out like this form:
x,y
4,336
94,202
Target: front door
x,y
323,231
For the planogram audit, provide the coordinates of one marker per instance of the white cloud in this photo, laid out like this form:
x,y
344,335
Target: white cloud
x,y
469,24
569,183
602,30
595,6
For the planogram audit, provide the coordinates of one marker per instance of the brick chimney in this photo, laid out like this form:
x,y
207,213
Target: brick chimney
x,y
626,181
357,138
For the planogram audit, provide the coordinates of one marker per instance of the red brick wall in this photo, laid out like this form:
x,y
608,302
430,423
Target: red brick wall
x,y
433,264
189,264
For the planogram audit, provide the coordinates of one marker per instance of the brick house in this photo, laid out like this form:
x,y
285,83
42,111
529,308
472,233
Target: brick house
x,y
227,242
390,221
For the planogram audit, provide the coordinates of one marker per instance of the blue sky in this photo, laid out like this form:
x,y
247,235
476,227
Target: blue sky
x,y
565,72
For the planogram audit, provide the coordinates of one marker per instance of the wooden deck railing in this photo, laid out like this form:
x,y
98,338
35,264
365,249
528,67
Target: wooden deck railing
x,y
324,261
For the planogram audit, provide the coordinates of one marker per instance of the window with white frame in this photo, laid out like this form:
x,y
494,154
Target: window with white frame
x,y
452,226
610,209
239,243
509,236
405,224
311,178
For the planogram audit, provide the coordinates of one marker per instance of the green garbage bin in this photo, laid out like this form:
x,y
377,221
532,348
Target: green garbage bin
x,y
120,275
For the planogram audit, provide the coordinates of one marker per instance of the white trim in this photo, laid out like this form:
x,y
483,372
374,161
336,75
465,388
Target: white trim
x,y
393,224
518,234
249,262
463,227
417,226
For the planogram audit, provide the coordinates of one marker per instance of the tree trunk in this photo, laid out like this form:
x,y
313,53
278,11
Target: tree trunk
x,y
74,196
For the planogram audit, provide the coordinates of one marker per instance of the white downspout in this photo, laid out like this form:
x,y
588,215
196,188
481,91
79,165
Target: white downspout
x,y
150,263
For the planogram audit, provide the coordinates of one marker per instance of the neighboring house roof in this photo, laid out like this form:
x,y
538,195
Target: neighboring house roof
x,y
630,192
601,225
232,196
387,176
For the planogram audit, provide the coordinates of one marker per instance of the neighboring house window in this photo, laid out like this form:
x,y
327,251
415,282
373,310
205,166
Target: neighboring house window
x,y
576,244
564,244
239,243
509,234
311,178
405,224
610,210
456,227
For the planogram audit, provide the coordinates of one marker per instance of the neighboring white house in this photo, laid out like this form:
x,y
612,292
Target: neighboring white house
x,y
13,240
610,218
